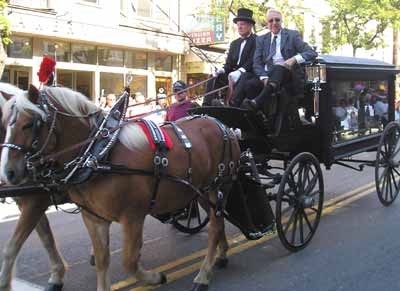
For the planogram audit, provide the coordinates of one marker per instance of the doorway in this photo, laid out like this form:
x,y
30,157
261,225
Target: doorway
x,y
18,76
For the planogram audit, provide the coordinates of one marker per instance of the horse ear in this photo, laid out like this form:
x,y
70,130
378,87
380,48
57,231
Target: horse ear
x,y
6,95
33,94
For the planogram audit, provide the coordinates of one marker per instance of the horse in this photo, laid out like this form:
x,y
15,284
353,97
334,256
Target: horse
x,y
32,216
126,199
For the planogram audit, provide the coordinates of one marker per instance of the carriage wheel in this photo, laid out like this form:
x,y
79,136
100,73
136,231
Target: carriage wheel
x,y
387,174
196,219
299,202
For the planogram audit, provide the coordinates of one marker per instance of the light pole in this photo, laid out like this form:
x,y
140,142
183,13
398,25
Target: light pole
x,y
55,69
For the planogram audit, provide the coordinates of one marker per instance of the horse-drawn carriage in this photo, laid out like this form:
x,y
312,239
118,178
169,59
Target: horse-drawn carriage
x,y
236,177
352,111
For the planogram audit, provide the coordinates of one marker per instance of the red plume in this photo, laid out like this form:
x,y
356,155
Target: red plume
x,y
46,69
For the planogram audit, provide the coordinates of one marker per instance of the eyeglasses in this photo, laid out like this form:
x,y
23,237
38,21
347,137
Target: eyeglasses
x,y
277,20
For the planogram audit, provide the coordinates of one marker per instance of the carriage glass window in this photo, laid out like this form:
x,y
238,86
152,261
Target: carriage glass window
x,y
360,108
61,51
84,54
110,57
136,60
164,62
21,47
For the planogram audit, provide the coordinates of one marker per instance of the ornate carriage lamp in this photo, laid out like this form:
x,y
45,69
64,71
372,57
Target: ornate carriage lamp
x,y
316,75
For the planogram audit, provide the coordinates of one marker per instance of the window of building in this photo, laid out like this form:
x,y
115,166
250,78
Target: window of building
x,y
65,78
84,83
61,51
136,60
111,83
31,3
143,8
162,12
163,63
139,84
84,54
110,57
21,47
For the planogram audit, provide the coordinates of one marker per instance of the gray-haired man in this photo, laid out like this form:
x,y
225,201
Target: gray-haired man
x,y
277,53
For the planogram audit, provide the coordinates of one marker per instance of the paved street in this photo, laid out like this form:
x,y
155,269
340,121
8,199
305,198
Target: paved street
x,y
355,248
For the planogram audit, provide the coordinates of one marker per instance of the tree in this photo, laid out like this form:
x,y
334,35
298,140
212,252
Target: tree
x,y
291,10
360,23
5,33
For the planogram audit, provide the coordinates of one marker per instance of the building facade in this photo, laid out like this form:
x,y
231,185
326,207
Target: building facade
x,y
97,43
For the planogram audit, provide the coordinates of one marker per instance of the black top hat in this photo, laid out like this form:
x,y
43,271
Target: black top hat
x,y
244,14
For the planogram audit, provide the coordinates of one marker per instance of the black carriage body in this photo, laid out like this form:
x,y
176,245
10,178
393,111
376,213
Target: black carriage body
x,y
323,137
363,79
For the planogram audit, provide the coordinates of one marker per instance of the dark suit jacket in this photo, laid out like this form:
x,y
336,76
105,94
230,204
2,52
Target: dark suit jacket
x,y
246,60
291,45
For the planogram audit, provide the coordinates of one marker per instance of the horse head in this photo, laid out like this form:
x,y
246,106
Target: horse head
x,y
39,123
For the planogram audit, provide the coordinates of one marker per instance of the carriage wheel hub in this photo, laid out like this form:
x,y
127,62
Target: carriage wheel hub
x,y
307,202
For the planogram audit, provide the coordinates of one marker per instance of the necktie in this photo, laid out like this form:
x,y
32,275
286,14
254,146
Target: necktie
x,y
272,52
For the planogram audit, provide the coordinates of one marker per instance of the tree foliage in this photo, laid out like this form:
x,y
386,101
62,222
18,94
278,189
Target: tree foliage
x,y
360,23
291,10
4,23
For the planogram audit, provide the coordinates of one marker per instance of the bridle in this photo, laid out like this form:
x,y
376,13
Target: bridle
x,y
34,154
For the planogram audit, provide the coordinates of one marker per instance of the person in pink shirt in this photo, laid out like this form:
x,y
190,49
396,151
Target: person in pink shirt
x,y
180,108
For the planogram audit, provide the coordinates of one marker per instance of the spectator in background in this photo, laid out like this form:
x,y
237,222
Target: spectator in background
x,y
102,102
180,108
397,111
110,101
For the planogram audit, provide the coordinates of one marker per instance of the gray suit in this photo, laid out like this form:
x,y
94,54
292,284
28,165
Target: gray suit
x,y
291,45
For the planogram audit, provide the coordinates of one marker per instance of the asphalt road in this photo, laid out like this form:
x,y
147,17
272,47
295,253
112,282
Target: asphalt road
x,y
355,248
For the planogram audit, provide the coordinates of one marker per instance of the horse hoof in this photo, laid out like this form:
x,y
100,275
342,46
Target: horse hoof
x,y
92,261
54,287
163,279
221,263
199,287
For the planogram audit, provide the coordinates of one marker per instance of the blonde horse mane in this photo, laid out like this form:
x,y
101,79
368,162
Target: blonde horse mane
x,y
73,103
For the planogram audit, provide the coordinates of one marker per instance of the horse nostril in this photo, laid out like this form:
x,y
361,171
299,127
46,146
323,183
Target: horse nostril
x,y
10,175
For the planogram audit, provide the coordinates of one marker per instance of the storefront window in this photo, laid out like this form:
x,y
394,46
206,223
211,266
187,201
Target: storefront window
x,y
139,84
65,78
84,83
136,60
163,63
110,57
360,108
21,47
111,83
84,54
30,3
57,50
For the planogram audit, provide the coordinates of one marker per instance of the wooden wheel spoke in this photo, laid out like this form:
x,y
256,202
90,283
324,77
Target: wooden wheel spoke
x,y
307,221
301,230
305,177
292,216
311,185
397,172
383,175
396,185
198,212
294,229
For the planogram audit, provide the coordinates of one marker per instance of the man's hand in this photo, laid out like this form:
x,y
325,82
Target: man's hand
x,y
289,63
234,76
218,72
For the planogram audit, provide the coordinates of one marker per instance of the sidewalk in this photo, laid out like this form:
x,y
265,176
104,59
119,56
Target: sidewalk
x,y
19,285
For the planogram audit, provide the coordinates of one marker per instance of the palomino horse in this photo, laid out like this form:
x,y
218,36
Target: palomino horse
x,y
32,216
124,198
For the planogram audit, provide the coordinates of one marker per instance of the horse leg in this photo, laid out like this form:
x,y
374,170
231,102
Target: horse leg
x,y
221,260
99,231
57,263
31,212
133,241
215,235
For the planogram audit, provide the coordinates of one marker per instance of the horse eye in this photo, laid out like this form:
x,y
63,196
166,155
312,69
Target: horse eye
x,y
27,126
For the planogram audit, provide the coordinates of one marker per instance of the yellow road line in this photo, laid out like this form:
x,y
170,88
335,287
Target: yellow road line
x,y
235,240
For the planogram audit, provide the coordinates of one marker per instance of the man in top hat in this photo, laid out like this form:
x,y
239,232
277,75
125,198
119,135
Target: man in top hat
x,y
276,63
240,56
